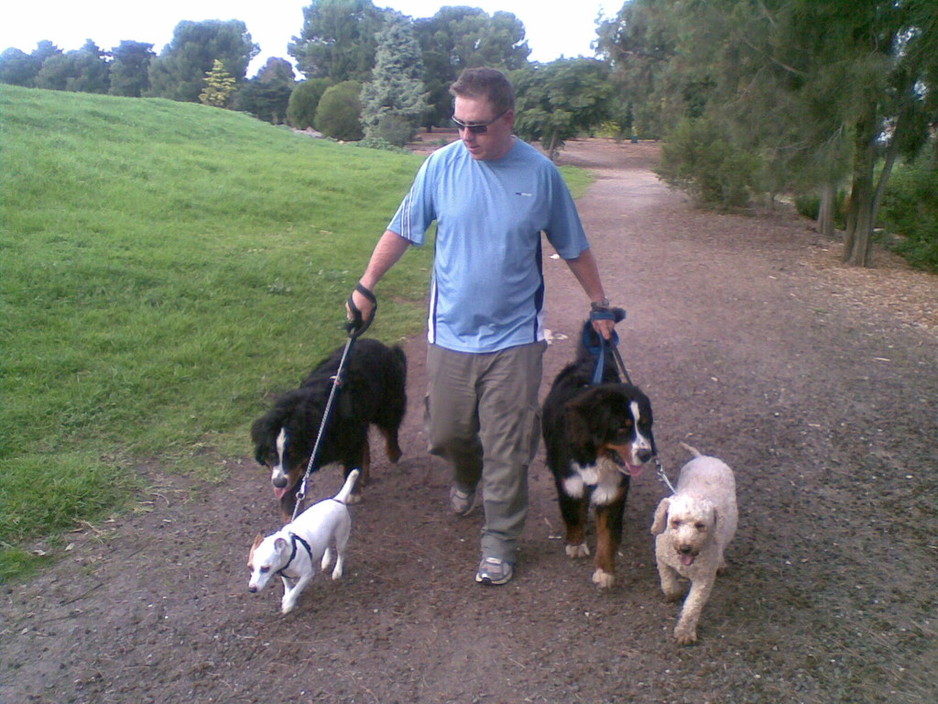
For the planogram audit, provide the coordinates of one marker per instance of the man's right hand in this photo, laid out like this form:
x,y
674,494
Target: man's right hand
x,y
360,309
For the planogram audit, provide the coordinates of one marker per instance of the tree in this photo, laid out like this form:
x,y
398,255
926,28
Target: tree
x,y
456,38
301,110
559,100
130,67
338,40
83,70
395,100
339,111
267,95
818,90
219,85
179,71
18,68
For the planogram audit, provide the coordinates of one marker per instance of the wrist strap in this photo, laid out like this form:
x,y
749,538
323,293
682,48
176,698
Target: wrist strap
x,y
356,326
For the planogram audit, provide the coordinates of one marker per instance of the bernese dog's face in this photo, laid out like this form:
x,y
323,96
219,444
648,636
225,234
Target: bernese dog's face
x,y
615,421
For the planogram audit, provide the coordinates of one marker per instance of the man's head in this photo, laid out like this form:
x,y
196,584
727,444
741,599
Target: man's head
x,y
484,112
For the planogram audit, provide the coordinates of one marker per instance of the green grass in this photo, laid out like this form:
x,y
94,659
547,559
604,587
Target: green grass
x,y
164,269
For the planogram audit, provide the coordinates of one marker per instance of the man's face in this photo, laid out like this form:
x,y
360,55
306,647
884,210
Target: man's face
x,y
496,139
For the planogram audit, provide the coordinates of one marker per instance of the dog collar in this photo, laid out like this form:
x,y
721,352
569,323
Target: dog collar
x,y
294,539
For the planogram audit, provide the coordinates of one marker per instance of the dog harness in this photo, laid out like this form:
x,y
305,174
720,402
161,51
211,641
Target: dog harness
x,y
294,539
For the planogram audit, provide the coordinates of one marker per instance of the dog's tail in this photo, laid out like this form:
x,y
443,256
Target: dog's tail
x,y
693,450
346,489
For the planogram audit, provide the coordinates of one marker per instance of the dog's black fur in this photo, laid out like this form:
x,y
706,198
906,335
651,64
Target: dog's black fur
x,y
593,427
373,392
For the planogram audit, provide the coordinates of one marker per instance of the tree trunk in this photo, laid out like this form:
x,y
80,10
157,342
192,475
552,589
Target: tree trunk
x,y
860,215
825,216
866,198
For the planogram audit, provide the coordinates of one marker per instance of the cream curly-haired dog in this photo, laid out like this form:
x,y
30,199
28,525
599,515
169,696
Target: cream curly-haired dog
x,y
693,528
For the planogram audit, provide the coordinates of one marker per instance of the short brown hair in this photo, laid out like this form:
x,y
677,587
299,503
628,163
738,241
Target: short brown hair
x,y
488,83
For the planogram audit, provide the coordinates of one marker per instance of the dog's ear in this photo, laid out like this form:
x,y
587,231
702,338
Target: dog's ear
x,y
661,517
280,544
587,417
257,541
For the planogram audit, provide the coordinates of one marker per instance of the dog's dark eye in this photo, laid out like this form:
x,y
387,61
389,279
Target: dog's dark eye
x,y
676,523
265,569
700,526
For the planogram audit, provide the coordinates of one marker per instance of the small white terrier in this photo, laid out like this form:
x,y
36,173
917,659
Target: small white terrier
x,y
693,528
293,551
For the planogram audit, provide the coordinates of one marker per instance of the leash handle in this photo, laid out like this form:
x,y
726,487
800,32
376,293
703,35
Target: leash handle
x,y
357,325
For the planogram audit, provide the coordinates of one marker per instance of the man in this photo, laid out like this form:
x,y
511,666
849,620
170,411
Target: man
x,y
491,195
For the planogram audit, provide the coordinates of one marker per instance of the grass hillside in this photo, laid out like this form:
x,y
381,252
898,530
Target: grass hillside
x,y
164,268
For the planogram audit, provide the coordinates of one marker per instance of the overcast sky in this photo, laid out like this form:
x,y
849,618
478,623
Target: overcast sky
x,y
551,33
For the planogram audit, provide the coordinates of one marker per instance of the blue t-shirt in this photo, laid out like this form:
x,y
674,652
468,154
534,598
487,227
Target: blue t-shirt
x,y
487,290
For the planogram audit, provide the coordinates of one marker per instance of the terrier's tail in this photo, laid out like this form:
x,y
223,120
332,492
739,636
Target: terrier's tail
x,y
346,489
693,450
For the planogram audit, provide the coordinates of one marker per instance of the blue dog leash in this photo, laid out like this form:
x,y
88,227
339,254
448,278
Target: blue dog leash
x,y
598,347
598,350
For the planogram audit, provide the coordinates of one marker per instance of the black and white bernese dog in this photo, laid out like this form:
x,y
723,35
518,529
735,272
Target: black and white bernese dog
x,y
596,435
373,393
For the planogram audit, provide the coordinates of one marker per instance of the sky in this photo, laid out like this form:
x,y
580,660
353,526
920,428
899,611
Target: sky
x,y
271,23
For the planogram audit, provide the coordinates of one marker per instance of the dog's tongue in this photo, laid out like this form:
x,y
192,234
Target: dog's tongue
x,y
687,560
635,470
279,492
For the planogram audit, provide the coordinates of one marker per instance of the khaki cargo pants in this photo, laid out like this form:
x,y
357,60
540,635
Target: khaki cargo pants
x,y
482,415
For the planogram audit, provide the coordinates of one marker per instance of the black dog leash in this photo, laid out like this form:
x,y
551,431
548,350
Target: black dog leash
x,y
355,327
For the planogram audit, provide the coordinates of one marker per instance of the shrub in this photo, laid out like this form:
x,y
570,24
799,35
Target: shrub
x,y
339,112
697,158
301,110
393,129
910,209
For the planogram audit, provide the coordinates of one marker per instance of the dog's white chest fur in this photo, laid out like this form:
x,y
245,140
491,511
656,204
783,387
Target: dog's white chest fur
x,y
602,477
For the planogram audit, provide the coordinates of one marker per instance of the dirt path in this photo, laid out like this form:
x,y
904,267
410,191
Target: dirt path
x,y
819,385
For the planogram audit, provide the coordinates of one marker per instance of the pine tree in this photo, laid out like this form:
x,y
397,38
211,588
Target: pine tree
x,y
219,85
395,99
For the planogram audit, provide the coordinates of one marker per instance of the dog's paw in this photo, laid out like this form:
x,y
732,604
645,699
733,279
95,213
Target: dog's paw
x,y
575,551
673,594
603,579
684,635
287,606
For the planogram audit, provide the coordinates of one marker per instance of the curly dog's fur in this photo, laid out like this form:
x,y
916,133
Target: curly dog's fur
x,y
693,528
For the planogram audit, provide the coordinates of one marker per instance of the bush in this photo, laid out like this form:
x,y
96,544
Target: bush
x,y
910,209
339,112
393,129
301,110
809,205
698,159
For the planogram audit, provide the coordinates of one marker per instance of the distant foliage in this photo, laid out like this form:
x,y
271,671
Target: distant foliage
x,y
698,158
304,100
179,71
395,100
338,39
267,95
910,209
219,85
130,68
339,112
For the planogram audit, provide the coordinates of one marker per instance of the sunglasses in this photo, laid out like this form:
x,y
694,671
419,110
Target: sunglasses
x,y
477,127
